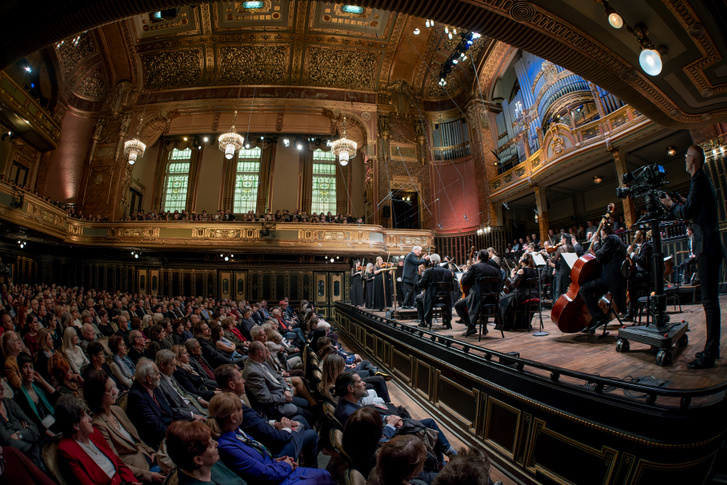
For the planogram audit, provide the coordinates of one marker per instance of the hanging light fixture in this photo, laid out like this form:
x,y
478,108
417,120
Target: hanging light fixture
x,y
230,142
134,149
344,148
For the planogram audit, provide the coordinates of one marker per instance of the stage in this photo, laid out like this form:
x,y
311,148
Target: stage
x,y
593,354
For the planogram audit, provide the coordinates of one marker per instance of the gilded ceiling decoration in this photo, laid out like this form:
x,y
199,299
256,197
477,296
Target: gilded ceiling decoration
x,y
172,69
341,68
92,85
274,15
254,64
73,50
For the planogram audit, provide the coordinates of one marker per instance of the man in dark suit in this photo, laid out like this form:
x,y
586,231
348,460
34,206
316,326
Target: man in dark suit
x,y
701,206
147,407
183,404
198,362
432,276
468,308
409,277
287,437
246,323
610,253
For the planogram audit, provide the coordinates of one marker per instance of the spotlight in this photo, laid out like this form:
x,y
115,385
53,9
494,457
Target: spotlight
x,y
206,139
247,145
417,31
286,142
226,258
455,61
28,69
650,61
332,260
671,151
299,146
597,179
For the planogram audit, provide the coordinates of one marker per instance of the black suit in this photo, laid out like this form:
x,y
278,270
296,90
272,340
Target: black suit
x,y
196,385
470,306
425,302
611,255
151,419
701,207
409,278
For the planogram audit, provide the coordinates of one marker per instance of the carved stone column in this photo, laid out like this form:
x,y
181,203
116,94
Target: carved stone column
x,y
543,217
628,202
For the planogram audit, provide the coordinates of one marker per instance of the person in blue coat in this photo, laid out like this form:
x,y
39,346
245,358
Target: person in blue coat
x,y
248,458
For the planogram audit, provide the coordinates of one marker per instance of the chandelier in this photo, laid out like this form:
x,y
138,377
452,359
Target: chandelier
x,y
344,148
134,149
230,142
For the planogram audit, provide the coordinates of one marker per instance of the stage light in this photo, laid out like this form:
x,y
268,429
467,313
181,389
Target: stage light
x,y
417,31
671,151
650,61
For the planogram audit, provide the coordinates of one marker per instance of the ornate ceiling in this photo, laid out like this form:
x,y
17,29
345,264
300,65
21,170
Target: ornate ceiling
x,y
303,44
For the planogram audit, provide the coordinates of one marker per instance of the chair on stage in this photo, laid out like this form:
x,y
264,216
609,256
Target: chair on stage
x,y
441,300
525,309
489,302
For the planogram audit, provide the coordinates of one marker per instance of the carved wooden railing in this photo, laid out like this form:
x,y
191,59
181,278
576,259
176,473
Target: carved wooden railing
x,y
23,104
38,215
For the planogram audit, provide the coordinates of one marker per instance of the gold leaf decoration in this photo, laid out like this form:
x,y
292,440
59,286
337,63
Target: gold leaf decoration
x,y
260,64
168,70
92,85
342,68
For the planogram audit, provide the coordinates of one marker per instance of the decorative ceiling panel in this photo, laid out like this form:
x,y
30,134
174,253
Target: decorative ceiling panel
x,y
274,15
73,50
332,18
254,64
172,69
185,23
92,86
341,68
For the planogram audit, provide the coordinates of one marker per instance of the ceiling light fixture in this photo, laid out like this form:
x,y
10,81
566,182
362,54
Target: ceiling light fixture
x,y
135,148
231,141
344,148
614,19
671,151
597,179
417,31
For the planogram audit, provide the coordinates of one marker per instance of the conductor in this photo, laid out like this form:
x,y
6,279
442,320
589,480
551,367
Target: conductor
x,y
425,302
409,276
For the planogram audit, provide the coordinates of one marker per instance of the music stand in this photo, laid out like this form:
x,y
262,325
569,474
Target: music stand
x,y
540,264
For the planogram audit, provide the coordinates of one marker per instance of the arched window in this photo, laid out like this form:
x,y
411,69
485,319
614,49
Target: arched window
x,y
247,178
176,180
324,182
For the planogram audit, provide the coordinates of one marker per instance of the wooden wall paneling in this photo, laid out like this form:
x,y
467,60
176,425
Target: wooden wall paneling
x,y
321,290
336,287
240,285
402,364
295,286
142,275
225,284
306,287
524,434
176,287
502,424
279,289
455,399
423,378
154,282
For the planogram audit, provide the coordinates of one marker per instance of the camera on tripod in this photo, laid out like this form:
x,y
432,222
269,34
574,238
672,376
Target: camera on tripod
x,y
646,183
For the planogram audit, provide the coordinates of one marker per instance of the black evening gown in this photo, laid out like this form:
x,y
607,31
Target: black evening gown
x,y
382,294
357,297
369,281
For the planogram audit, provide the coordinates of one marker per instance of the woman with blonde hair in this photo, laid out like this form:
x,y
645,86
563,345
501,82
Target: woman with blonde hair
x,y
247,457
12,347
73,352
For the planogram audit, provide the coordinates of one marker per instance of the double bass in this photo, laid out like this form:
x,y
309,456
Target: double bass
x,y
570,313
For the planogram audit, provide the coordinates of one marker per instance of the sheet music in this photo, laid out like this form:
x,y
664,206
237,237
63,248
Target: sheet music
x,y
569,258
538,259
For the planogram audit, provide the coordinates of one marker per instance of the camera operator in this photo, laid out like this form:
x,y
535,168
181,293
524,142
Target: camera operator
x,y
701,207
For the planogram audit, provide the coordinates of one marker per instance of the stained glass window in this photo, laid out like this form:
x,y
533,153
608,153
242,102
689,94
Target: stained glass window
x,y
247,178
177,180
324,182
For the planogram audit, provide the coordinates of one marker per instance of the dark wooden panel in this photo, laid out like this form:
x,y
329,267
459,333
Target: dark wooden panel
x,y
401,364
501,424
280,289
457,398
650,472
423,377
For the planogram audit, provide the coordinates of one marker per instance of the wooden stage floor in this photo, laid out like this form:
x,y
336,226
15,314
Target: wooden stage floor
x,y
593,355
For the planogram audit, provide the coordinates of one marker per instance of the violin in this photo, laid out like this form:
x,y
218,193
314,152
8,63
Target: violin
x,y
553,249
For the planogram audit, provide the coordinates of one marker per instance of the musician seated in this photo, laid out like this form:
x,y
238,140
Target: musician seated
x,y
610,253
640,278
685,268
519,291
468,308
433,293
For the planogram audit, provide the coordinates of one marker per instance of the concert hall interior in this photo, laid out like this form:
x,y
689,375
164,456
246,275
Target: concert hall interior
x,y
240,150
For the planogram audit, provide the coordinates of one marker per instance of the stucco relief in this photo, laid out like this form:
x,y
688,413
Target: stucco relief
x,y
259,64
92,85
143,233
341,68
174,69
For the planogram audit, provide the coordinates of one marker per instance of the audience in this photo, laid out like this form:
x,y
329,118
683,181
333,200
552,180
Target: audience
x,y
147,407
12,347
399,460
36,397
470,467
74,353
122,368
17,430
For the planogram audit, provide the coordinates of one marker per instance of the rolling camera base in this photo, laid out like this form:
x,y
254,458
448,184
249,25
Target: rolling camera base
x,y
661,339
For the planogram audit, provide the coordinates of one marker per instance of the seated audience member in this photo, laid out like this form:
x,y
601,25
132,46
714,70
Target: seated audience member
x,y
181,334
17,430
66,382
136,345
83,452
469,467
287,437
12,347
334,365
350,389
36,397
249,458
246,323
197,360
154,345
56,332
74,354
113,424
183,404
233,334
271,389
225,346
19,469
30,339
122,368
191,447
362,437
214,356
190,379
88,335
97,356
399,460
147,407
45,342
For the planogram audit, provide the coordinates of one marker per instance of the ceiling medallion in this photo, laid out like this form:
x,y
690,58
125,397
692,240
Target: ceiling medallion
x,y
230,142
344,148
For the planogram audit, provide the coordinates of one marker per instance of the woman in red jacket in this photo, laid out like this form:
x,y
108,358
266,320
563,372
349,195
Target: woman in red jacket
x,y
83,452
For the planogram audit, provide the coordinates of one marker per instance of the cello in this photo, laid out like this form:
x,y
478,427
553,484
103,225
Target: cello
x,y
570,313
